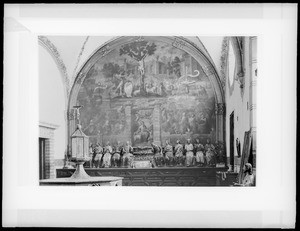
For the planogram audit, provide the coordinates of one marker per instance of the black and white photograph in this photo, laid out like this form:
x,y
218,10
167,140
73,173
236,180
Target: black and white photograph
x,y
147,110
149,115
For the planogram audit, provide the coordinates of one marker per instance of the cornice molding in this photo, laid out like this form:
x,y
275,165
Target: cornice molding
x,y
48,125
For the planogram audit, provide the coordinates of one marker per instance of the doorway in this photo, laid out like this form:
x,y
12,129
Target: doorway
x,y
231,141
250,159
42,157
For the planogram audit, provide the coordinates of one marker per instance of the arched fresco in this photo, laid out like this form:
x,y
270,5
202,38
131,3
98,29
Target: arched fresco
x,y
146,89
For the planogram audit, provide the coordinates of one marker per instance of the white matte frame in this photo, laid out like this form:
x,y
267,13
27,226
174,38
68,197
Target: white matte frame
x,y
272,203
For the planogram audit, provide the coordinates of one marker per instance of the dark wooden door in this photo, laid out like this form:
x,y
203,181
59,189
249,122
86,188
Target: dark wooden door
x,y
42,155
231,142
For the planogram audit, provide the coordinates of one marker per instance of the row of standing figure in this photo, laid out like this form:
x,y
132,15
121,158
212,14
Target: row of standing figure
x,y
108,156
188,155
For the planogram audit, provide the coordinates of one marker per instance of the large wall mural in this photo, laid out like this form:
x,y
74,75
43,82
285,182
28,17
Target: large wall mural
x,y
121,90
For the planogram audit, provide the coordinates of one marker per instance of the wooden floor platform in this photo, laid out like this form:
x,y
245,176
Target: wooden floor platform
x,y
163,176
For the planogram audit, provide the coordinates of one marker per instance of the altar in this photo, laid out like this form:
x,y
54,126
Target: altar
x,y
143,157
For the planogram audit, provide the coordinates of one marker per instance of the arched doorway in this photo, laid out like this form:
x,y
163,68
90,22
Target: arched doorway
x,y
148,88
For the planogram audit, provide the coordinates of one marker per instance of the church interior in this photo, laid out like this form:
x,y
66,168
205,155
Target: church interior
x,y
154,110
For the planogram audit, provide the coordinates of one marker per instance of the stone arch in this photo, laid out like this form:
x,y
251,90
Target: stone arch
x,y
178,42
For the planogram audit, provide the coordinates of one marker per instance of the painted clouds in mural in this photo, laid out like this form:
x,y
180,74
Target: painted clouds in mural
x,y
151,70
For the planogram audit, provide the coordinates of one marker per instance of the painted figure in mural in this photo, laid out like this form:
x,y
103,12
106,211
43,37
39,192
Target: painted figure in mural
x,y
202,92
189,153
210,153
91,155
179,159
90,128
97,95
107,126
120,88
175,125
184,123
107,155
200,156
116,158
98,155
128,87
169,156
158,156
150,89
138,51
162,89
127,158
141,134
201,118
192,123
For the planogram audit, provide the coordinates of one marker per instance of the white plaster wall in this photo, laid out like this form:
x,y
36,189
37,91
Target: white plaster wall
x,y
94,43
69,48
213,46
52,100
238,103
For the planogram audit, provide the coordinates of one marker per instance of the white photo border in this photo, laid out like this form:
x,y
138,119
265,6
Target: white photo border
x,y
270,204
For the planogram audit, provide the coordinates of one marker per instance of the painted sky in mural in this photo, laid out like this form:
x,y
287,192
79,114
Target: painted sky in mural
x,y
149,70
